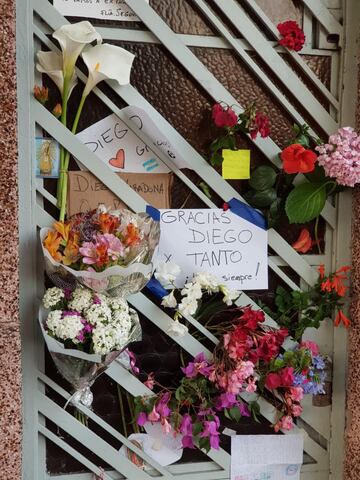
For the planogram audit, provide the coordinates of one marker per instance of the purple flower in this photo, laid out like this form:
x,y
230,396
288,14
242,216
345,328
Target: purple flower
x,y
199,365
226,400
135,370
244,410
68,313
162,407
187,442
211,431
67,293
186,424
142,419
319,362
96,300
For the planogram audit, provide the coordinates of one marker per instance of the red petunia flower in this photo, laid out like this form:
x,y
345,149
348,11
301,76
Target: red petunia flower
x,y
293,36
224,117
261,125
297,159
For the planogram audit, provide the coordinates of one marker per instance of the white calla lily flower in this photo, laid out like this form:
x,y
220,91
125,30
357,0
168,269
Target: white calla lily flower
x,y
107,62
72,39
51,63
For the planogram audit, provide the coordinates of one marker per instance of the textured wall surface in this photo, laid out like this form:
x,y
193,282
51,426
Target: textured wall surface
x,y
10,350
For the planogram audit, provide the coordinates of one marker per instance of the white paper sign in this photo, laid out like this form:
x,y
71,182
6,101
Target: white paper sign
x,y
266,457
144,123
118,147
215,241
105,9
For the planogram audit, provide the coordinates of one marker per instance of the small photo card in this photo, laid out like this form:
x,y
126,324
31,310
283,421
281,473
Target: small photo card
x,y
47,152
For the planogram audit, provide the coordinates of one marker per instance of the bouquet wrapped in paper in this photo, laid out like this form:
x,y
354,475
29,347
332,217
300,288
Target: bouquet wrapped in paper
x,y
84,332
108,252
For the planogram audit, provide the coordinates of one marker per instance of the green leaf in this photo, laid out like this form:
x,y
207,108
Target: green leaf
x,y
227,414
255,410
263,178
303,140
196,429
235,413
216,159
205,188
261,199
204,443
305,202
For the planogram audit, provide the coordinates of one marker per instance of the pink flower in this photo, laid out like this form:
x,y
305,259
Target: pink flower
x,y
165,425
150,381
340,157
224,117
296,410
103,248
312,346
251,387
199,365
297,394
142,419
286,422
287,376
153,415
187,442
273,380
211,431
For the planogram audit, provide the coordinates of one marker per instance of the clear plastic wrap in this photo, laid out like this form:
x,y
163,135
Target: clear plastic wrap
x,y
81,369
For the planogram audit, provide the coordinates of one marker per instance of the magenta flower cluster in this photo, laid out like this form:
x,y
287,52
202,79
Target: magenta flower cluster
x,y
340,157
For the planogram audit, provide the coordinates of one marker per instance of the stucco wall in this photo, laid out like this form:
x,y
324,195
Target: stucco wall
x,y
10,350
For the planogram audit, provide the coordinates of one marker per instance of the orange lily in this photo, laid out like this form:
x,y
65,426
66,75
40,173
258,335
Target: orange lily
x,y
71,251
108,223
342,318
132,235
52,243
63,229
304,243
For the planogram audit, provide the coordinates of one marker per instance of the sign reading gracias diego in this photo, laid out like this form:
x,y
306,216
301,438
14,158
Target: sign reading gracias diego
x,y
216,241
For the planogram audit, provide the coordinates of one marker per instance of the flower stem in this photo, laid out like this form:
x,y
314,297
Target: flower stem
x,y
63,119
316,233
122,410
65,166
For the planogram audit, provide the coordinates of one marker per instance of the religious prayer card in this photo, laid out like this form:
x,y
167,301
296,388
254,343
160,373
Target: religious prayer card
x,y
266,457
215,241
116,10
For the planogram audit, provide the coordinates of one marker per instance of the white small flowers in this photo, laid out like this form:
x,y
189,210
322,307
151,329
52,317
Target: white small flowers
x,y
53,297
229,295
169,301
166,273
99,323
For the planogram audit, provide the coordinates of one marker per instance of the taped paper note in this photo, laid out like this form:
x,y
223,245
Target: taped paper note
x,y
216,241
236,164
266,457
116,10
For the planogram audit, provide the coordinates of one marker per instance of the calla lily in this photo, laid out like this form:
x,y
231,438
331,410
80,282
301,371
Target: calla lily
x,y
107,62
72,39
51,63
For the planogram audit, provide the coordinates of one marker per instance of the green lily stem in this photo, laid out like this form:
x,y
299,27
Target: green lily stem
x,y
65,167
316,233
63,119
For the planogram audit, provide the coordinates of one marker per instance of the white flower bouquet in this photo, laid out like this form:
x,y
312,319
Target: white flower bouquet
x,y
85,332
108,252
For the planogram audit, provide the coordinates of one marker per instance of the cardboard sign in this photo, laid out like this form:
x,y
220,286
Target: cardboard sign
x,y
216,241
105,9
236,164
121,150
266,457
86,192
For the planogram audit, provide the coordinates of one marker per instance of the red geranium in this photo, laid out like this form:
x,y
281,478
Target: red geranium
x,y
260,124
293,36
297,159
224,117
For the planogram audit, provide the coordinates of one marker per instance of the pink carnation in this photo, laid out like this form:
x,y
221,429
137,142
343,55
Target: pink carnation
x,y
340,157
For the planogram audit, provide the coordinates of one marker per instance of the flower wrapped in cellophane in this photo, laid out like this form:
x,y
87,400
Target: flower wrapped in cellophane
x,y
84,332
108,252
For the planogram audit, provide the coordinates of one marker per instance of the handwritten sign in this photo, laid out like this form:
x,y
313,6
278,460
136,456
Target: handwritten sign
x,y
116,10
216,241
120,149
280,459
236,164
86,192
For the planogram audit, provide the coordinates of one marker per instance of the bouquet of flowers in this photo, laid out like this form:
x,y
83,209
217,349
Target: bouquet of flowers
x,y
85,332
109,252
246,360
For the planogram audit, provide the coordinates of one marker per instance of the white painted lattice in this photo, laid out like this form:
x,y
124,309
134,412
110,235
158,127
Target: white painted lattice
x,y
36,19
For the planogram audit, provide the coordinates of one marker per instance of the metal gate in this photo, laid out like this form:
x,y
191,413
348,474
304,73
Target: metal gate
x,y
237,28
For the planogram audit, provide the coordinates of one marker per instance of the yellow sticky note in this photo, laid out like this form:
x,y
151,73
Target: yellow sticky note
x,y
236,164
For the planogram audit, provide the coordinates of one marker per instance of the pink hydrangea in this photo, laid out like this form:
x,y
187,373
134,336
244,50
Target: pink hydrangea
x,y
340,157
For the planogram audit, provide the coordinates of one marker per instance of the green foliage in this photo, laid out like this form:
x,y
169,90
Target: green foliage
x,y
305,202
263,178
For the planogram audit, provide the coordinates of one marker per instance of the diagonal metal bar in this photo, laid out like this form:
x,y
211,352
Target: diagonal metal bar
x,y
323,15
92,441
294,55
235,13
